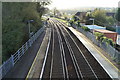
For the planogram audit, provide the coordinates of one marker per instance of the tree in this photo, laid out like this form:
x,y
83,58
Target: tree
x,y
87,18
110,21
75,18
41,7
118,16
98,35
14,25
100,17
57,13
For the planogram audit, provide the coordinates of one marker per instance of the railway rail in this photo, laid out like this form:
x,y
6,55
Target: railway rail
x,y
68,58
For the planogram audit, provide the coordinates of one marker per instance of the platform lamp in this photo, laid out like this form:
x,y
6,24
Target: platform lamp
x,y
29,21
93,21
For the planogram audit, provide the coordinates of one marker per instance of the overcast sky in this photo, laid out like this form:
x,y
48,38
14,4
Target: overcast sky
x,y
66,4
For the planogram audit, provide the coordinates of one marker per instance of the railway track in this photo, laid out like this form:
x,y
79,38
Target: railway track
x,y
54,65
68,58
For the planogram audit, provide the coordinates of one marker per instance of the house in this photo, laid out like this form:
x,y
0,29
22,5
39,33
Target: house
x,y
112,14
81,15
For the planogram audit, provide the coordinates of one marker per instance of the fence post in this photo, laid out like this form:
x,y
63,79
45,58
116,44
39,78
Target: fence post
x,y
3,69
18,53
33,37
29,42
26,45
22,49
12,60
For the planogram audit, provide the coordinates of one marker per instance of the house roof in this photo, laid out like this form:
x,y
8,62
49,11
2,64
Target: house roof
x,y
80,13
110,14
95,27
104,31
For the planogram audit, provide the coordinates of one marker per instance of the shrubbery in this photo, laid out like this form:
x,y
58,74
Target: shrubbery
x,y
85,28
102,38
98,35
78,23
71,22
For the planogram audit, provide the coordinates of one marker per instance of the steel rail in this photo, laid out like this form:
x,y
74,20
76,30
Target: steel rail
x,y
72,53
46,55
81,53
52,57
63,55
60,56
72,59
65,72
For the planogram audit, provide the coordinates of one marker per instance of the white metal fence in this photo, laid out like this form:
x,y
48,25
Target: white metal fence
x,y
106,47
7,65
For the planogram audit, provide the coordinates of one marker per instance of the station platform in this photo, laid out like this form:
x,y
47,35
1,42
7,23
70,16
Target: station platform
x,y
101,56
36,67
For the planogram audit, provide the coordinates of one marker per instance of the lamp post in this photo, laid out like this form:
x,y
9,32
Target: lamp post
x,y
93,21
29,27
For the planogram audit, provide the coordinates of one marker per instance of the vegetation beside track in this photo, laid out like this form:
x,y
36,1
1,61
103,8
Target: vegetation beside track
x,y
15,17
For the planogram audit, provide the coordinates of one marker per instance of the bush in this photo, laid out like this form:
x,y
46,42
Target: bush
x,y
71,22
105,39
85,28
78,23
102,38
110,41
99,35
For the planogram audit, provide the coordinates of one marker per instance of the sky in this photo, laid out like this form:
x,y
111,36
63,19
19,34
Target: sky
x,y
67,4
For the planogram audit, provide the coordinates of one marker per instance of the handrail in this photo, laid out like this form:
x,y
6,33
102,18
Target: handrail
x,y
8,64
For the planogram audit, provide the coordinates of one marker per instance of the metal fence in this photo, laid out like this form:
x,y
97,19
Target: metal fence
x,y
106,47
7,65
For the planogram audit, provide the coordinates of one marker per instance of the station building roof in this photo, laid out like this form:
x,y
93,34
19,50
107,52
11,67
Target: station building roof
x,y
95,27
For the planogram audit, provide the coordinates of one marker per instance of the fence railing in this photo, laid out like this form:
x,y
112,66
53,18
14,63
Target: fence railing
x,y
106,47
7,65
